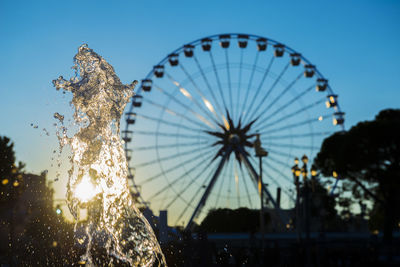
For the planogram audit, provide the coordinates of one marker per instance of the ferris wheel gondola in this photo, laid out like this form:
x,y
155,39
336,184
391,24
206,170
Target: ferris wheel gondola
x,y
192,122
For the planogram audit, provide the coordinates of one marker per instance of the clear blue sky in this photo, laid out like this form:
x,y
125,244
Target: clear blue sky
x,y
353,43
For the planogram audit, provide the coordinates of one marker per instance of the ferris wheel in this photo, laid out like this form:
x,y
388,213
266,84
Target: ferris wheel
x,y
192,123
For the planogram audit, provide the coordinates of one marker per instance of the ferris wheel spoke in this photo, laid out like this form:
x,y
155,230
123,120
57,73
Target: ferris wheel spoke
x,y
189,96
300,135
253,174
280,153
249,84
283,189
229,80
229,171
177,125
287,104
221,185
269,166
246,187
163,195
173,135
209,188
285,165
177,179
180,115
206,102
188,203
294,113
258,107
173,98
267,175
192,182
276,99
294,125
293,146
271,88
236,175
218,80
239,84
266,72
208,85
174,156
142,148
195,116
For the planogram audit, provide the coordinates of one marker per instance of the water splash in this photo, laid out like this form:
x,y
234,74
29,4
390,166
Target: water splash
x,y
98,176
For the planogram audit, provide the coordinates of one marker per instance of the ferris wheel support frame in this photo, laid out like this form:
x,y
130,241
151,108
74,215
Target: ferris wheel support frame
x,y
253,174
229,147
265,190
203,199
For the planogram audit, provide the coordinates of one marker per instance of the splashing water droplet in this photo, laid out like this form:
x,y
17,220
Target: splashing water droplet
x,y
59,117
46,132
98,176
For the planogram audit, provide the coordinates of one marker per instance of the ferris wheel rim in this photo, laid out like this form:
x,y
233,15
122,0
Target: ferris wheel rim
x,y
216,37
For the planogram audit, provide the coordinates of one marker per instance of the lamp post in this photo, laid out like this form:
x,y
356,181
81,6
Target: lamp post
x,y
296,174
304,173
260,153
306,199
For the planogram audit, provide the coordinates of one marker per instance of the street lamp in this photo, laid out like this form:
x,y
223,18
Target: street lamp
x,y
260,153
306,199
314,174
296,174
58,210
16,183
304,173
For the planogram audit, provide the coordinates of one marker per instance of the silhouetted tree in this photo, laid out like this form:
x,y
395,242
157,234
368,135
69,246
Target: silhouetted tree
x,y
31,232
368,158
46,238
7,156
322,207
10,174
227,220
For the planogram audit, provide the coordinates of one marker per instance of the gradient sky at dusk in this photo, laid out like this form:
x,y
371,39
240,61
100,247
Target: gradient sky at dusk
x,y
353,43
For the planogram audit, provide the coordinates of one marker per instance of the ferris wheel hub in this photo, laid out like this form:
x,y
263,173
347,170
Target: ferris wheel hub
x,y
208,92
233,138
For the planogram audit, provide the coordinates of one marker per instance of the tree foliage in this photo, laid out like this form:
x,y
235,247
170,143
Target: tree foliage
x,y
368,156
46,238
231,221
7,156
10,173
322,207
31,232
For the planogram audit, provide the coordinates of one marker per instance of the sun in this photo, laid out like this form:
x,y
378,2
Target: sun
x,y
85,190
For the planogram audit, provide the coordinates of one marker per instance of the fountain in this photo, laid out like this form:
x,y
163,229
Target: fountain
x,y
98,176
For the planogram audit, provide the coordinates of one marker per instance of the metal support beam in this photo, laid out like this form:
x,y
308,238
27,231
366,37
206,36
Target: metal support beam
x,y
255,177
203,199
278,197
262,226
